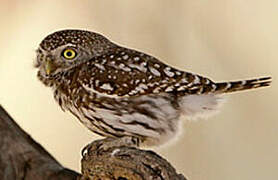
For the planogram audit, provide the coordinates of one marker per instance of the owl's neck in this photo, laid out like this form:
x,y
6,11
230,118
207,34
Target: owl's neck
x,y
60,80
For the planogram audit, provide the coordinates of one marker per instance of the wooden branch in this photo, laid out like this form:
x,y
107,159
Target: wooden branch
x,y
125,163
22,158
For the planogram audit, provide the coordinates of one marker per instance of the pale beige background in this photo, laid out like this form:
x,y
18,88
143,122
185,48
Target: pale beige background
x,y
222,39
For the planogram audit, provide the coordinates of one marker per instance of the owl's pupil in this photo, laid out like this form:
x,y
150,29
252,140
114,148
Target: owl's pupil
x,y
69,54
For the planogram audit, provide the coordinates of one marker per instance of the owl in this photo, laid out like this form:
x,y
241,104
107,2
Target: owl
x,y
122,93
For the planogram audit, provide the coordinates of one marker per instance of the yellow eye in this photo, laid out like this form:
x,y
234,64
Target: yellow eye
x,y
69,54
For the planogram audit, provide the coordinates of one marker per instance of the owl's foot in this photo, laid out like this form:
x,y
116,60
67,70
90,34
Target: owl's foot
x,y
107,143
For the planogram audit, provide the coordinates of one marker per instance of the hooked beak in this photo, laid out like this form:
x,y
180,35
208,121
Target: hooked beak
x,y
49,66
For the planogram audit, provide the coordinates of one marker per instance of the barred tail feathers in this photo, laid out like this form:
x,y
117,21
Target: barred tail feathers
x,y
233,86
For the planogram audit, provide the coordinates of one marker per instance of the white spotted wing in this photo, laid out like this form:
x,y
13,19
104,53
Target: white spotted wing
x,y
128,72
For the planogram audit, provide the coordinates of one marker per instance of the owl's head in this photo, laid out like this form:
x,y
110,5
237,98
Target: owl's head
x,y
66,49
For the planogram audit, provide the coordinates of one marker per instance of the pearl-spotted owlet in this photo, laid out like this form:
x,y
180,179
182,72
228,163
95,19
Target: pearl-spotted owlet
x,y
122,93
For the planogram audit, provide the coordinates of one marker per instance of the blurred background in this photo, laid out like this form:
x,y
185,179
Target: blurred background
x,y
221,39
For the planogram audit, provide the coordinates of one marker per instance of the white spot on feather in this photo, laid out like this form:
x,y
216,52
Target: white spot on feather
x,y
156,90
168,89
143,64
196,80
133,92
92,90
103,61
184,80
125,57
156,65
181,88
97,82
168,72
106,86
243,82
100,66
213,87
207,81
141,87
121,65
140,67
154,71
136,58
228,85
124,67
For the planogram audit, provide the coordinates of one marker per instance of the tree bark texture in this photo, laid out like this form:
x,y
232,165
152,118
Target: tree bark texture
x,y
21,158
